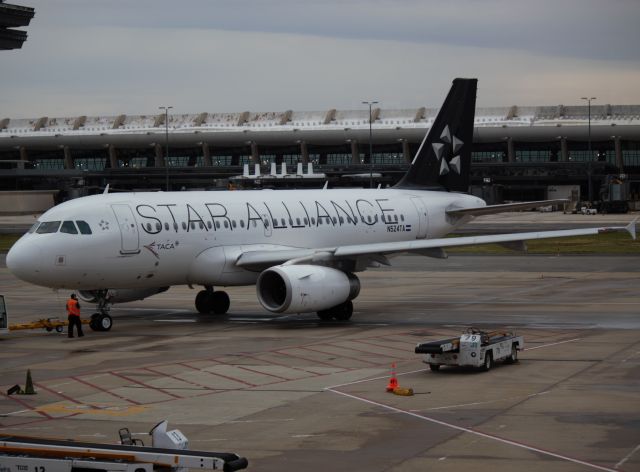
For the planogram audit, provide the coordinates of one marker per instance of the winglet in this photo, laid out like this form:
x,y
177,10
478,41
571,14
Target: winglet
x,y
106,191
631,228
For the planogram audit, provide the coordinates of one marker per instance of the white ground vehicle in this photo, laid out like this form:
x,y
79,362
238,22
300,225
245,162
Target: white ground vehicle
x,y
474,348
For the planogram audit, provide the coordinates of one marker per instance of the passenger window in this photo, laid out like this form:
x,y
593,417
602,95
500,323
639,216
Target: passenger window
x,y
266,223
184,225
68,227
401,217
193,225
217,225
298,221
341,220
226,224
201,224
334,220
233,223
242,223
48,227
313,221
306,221
166,226
175,227
283,223
158,227
209,224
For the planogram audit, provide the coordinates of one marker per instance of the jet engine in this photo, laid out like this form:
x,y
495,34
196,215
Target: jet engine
x,y
305,288
119,295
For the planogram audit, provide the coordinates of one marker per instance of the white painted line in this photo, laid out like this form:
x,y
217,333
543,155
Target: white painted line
x,y
15,412
374,378
551,344
627,457
185,320
448,407
474,432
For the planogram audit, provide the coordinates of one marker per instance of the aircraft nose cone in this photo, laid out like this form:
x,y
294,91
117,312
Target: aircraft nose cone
x,y
24,259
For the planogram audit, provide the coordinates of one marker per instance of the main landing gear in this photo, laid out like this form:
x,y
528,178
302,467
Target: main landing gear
x,y
208,301
340,312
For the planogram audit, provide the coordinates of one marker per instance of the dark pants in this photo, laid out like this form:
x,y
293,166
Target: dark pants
x,y
75,321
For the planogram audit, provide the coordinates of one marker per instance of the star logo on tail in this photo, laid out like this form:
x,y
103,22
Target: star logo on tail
x,y
453,164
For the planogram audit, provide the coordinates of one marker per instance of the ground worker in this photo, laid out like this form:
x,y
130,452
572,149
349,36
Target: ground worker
x,y
73,310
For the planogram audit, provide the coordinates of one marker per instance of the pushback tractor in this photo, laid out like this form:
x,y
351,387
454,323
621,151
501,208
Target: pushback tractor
x,y
474,348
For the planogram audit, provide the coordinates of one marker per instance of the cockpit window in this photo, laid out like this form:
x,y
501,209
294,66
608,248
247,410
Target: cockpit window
x,y
84,227
48,227
33,227
68,227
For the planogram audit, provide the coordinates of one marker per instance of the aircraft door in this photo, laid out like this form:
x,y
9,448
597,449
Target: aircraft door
x,y
266,221
129,237
423,221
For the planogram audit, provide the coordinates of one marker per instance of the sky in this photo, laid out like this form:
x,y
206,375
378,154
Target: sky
x,y
107,57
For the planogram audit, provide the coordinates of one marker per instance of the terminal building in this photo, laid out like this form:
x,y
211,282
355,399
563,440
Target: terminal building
x,y
519,152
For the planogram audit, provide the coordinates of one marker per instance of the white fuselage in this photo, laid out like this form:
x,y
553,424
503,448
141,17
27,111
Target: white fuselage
x,y
141,240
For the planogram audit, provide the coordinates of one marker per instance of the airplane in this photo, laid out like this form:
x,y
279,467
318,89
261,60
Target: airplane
x,y
300,248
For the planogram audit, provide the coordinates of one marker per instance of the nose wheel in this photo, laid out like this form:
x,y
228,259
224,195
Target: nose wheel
x,y
208,301
100,322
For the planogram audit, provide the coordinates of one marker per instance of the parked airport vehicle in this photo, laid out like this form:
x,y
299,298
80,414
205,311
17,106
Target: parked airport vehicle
x,y
301,248
475,348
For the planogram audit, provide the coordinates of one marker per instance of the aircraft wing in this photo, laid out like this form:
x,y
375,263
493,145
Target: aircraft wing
x,y
491,209
429,247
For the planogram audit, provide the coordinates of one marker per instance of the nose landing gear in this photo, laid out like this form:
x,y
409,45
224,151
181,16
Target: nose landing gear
x,y
101,320
208,301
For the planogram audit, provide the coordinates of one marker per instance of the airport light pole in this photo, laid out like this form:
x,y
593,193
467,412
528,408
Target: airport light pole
x,y
166,142
370,103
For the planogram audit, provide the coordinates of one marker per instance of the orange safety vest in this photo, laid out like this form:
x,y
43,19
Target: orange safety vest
x,y
73,307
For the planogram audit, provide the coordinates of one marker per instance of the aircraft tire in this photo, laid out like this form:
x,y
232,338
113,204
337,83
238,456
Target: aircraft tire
x,y
220,303
343,311
513,358
325,315
488,362
204,301
434,367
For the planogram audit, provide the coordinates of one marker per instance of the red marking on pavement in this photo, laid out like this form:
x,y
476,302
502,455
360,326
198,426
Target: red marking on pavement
x,y
105,391
150,387
286,354
177,378
26,405
357,359
263,373
249,384
66,397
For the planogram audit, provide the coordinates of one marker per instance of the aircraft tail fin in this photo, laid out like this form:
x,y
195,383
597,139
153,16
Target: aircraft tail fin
x,y
444,158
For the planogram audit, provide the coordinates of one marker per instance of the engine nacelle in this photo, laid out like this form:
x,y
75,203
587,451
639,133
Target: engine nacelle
x,y
305,288
119,295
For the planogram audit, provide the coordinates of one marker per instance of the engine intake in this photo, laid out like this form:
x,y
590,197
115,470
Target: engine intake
x,y
305,288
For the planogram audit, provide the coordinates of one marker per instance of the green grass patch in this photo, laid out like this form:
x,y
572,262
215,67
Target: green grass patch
x,y
7,240
604,243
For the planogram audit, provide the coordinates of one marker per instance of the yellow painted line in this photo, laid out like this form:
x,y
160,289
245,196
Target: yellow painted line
x,y
115,411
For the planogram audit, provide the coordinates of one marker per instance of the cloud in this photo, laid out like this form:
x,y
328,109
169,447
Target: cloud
x,y
116,57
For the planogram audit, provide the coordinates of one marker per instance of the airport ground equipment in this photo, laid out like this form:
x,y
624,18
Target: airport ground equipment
x,y
473,348
4,317
50,324
168,453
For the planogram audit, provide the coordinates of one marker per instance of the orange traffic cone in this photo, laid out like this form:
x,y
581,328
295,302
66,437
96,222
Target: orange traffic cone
x,y
393,381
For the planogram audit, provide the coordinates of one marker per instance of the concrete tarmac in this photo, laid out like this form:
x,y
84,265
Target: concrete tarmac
x,y
292,393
